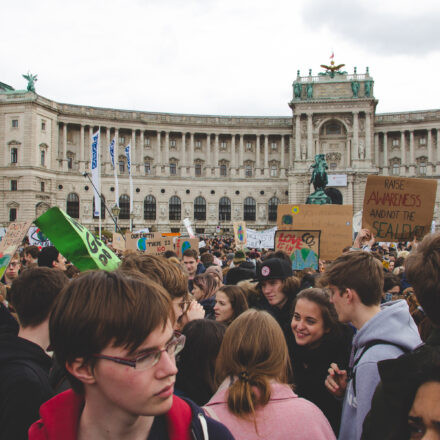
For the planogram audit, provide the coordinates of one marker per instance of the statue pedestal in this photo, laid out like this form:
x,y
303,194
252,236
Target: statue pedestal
x,y
319,197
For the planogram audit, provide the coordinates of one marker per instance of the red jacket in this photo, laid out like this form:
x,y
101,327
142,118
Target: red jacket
x,y
60,418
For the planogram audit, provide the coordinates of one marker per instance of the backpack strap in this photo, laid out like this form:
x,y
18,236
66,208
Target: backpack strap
x,y
367,346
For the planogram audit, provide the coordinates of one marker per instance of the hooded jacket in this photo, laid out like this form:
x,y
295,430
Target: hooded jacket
x,y
24,384
393,324
184,421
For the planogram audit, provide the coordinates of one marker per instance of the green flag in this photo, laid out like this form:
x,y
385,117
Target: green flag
x,y
75,242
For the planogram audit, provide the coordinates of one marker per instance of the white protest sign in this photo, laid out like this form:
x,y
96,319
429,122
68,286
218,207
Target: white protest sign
x,y
261,239
187,223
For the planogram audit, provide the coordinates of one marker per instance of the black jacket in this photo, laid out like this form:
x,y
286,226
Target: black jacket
x,y
24,385
310,369
392,400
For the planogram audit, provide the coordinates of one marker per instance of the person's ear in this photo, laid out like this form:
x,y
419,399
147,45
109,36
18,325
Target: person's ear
x,y
81,370
350,295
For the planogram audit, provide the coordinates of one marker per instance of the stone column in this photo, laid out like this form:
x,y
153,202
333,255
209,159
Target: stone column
x,y
266,155
158,155
309,136
348,150
233,157
411,153
134,160
241,155
208,154
64,158
385,153
403,153
82,167
355,135
191,154
89,144
368,137
166,153
257,156
282,147
141,148
183,156
437,166
430,161
376,149
297,137
216,165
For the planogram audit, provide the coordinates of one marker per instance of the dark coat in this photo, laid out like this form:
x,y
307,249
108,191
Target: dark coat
x,y
24,385
208,305
392,400
310,369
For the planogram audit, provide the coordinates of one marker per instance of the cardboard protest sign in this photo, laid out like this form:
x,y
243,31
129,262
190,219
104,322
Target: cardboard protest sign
x,y
182,244
240,233
10,242
260,239
398,209
334,222
136,240
302,247
151,243
75,241
37,238
118,242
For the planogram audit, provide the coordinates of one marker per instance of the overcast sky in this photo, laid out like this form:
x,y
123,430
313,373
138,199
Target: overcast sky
x,y
227,57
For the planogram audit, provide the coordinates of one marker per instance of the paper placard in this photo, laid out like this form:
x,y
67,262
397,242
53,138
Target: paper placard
x,y
187,223
151,243
398,209
37,238
240,233
10,242
302,247
260,239
182,244
118,242
334,222
76,242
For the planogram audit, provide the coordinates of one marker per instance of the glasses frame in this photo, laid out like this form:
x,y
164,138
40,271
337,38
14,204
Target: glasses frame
x,y
178,337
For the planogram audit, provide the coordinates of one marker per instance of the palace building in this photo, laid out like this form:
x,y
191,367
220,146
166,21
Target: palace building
x,y
213,169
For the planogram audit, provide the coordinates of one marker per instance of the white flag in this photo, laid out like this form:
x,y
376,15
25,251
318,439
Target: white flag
x,y
128,155
115,170
95,173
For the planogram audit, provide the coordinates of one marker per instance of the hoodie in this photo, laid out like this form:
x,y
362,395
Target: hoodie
x,y
393,324
24,384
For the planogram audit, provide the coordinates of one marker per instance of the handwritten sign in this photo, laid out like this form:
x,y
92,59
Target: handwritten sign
x,y
137,240
75,241
240,233
334,222
118,242
182,244
302,247
260,239
398,209
10,242
37,238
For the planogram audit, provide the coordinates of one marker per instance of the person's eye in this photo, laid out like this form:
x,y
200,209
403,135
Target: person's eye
x,y
416,430
296,317
146,359
311,321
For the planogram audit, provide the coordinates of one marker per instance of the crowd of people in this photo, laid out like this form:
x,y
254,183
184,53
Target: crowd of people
x,y
224,342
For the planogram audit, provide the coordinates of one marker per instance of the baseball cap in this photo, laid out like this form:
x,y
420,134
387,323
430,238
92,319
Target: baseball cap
x,y
274,269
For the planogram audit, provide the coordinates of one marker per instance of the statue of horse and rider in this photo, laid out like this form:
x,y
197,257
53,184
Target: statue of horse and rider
x,y
319,180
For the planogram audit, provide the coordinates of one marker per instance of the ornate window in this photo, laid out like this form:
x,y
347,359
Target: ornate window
x,y
250,208
422,165
396,169
12,214
273,207
14,155
248,146
121,165
198,169
102,208
124,206
72,206
224,209
13,185
273,146
248,168
199,208
173,168
174,207
173,143
223,168
223,146
198,145
147,165
150,208
15,123
332,129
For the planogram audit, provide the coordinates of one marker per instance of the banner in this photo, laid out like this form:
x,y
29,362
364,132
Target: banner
x,y
95,167
10,242
187,223
398,209
334,222
115,170
301,246
75,242
240,233
128,155
37,238
118,242
182,244
260,239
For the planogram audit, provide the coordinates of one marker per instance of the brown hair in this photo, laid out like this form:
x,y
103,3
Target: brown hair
x,y
422,268
237,298
207,283
359,271
33,251
192,253
100,308
34,292
255,351
160,270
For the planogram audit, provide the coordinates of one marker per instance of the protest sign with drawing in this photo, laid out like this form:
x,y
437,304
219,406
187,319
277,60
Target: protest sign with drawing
x,y
301,245
182,244
398,209
240,233
118,242
10,242
151,243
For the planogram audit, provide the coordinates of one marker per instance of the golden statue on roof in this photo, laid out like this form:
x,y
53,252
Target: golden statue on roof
x,y
332,69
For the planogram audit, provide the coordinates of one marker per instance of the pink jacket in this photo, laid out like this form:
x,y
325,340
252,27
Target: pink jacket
x,y
286,416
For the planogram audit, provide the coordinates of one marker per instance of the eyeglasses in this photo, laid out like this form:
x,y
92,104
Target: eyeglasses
x,y
149,358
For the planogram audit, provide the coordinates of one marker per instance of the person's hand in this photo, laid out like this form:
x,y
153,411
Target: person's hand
x,y
194,311
363,234
371,241
336,381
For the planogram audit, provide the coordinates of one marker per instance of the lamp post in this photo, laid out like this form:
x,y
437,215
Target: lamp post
x,y
115,211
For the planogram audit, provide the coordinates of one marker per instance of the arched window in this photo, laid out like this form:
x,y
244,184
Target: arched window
x,y
72,207
150,208
249,209
199,208
273,206
223,170
224,209
124,206
174,208
102,208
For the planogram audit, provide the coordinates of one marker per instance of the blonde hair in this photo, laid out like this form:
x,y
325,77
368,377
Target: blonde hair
x,y
253,350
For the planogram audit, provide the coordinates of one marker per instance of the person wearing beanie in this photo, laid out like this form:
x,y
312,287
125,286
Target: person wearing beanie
x,y
50,257
242,270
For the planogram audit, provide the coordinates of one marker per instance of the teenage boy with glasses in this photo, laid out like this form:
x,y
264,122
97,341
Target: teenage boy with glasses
x,y
113,332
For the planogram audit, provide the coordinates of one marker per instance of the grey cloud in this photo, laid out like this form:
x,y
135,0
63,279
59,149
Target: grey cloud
x,y
387,33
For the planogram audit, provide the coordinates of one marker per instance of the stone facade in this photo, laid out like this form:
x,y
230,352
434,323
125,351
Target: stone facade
x,y
217,168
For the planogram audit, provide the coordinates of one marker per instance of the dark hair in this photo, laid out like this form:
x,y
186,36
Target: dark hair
x,y
237,298
169,254
208,283
47,256
357,270
160,270
196,361
99,308
278,254
389,281
422,268
34,292
207,259
190,253
33,251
